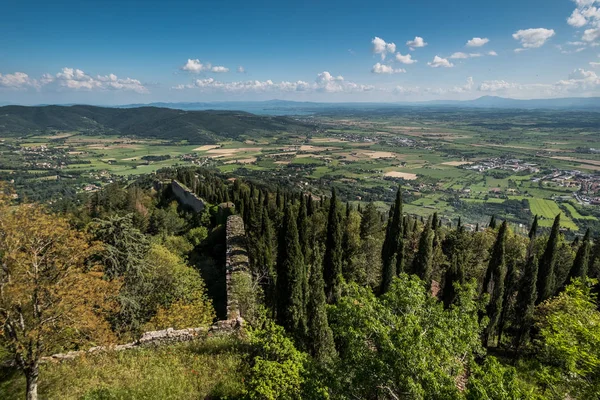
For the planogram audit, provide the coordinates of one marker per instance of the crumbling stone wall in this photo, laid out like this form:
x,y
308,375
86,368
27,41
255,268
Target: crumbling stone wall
x,y
186,197
237,266
158,338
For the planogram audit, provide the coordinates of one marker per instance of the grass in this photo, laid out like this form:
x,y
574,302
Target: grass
x,y
548,210
198,370
575,214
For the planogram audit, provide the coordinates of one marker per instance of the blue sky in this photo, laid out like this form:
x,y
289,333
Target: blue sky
x,y
117,52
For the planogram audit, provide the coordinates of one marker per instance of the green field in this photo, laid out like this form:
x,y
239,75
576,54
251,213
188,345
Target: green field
x,y
575,214
547,210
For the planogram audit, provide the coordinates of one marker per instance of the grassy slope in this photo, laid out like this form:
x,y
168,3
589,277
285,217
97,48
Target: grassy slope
x,y
199,370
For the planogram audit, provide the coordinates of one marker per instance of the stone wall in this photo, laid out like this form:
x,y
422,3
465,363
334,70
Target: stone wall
x,y
186,197
159,338
236,265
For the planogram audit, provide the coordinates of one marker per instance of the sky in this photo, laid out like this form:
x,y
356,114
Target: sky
x,y
122,52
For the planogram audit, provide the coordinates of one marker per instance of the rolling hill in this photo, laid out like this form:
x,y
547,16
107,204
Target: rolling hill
x,y
149,122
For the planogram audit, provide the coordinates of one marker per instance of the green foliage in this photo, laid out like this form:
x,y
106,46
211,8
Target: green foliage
x,y
423,261
319,339
494,283
333,259
404,344
291,310
569,341
277,368
392,253
494,381
546,281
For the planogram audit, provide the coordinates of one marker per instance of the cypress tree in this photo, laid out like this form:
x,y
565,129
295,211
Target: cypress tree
x,y
332,262
320,337
393,245
510,287
477,227
267,260
435,221
302,224
581,263
492,223
290,266
387,272
454,273
310,207
305,248
526,298
546,280
423,261
494,283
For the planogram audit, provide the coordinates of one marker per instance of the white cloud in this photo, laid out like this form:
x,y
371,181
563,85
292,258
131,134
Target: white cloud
x,y
440,62
492,53
381,47
325,82
465,88
241,70
219,69
477,42
195,66
577,19
459,55
76,79
17,80
589,35
386,69
72,79
533,38
407,59
417,42
595,64
495,85
579,82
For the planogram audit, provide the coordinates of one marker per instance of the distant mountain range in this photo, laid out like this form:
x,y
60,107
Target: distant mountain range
x,y
284,107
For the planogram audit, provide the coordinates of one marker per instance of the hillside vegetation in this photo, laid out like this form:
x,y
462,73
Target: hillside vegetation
x,y
150,122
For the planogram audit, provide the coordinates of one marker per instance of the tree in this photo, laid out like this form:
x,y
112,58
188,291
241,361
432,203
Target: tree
x,y
494,283
423,261
333,260
351,245
320,338
277,368
455,275
371,238
569,344
581,263
392,252
124,257
546,281
492,223
526,298
388,262
291,312
534,228
403,344
49,299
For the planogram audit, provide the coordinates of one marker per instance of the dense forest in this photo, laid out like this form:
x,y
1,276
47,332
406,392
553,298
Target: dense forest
x,y
345,302
197,127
